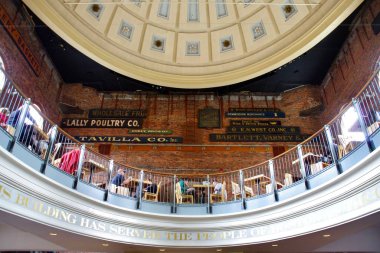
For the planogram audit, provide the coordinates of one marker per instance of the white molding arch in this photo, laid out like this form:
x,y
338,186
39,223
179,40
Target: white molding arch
x,y
29,194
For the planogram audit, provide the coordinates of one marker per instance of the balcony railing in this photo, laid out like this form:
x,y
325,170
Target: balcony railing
x,y
33,138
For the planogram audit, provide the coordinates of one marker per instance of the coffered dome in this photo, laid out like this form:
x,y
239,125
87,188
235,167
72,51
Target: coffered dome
x,y
193,43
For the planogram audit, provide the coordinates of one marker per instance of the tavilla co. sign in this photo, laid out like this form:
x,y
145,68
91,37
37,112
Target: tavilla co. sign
x,y
129,139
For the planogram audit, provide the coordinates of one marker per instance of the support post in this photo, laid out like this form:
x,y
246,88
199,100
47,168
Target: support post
x,y
362,124
20,123
242,190
174,209
333,148
141,182
52,136
273,179
80,165
302,166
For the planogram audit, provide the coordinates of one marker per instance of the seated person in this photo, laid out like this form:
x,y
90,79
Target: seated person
x,y
120,181
185,189
217,187
151,188
4,112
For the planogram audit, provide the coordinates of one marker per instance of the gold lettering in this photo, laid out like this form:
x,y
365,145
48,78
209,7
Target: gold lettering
x,y
5,193
22,200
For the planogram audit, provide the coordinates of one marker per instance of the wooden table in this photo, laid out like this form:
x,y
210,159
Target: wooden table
x,y
372,128
307,156
260,180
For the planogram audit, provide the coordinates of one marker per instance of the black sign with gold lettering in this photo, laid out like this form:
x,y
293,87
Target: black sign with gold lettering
x,y
102,123
117,113
247,122
255,114
209,118
257,137
264,130
149,131
129,139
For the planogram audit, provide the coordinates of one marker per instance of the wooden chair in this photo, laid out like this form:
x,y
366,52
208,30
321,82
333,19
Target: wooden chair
x,y
181,197
152,196
219,197
288,180
236,190
248,192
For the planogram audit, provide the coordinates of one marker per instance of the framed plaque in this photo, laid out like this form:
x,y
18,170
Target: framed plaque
x,y
209,118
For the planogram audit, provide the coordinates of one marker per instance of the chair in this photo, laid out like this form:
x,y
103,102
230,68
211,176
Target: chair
x,y
219,197
235,190
57,146
152,196
248,192
288,179
181,197
121,190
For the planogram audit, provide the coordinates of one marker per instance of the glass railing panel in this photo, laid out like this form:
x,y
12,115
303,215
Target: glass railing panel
x,y
158,187
316,153
95,169
346,131
36,131
124,180
369,104
257,180
192,189
225,187
287,169
65,153
11,102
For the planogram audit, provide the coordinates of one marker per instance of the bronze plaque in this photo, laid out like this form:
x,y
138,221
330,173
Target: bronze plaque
x,y
209,118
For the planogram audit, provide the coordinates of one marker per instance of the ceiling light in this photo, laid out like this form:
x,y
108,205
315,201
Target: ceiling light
x,y
53,234
326,235
105,244
274,245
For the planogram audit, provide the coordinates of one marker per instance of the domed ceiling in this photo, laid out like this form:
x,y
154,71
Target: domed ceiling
x,y
193,43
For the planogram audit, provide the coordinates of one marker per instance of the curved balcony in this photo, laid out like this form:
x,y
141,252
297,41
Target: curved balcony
x,y
330,179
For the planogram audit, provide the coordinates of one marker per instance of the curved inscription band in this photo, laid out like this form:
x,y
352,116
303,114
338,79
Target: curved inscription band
x,y
29,194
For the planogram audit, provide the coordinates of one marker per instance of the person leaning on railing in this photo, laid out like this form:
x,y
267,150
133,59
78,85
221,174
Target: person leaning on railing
x,y
27,136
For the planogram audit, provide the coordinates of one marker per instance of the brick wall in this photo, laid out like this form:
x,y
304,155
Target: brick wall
x,y
41,89
180,113
354,65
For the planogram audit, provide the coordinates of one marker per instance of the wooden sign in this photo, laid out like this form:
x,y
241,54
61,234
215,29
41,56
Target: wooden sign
x,y
247,122
101,123
264,130
254,114
254,110
20,42
116,113
209,118
257,137
149,131
129,139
